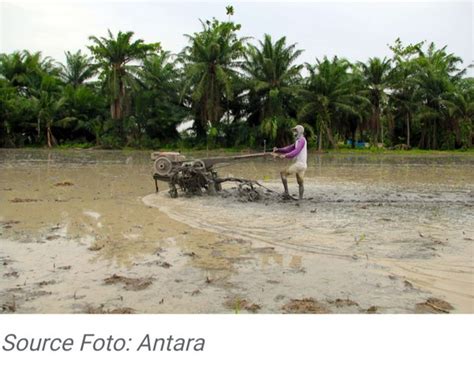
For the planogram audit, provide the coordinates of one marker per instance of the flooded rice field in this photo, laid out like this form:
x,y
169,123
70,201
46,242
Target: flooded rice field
x,y
84,232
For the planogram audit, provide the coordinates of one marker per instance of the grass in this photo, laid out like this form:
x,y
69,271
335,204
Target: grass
x,y
241,149
68,145
384,151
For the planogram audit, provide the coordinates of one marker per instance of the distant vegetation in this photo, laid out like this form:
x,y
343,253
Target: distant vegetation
x,y
238,92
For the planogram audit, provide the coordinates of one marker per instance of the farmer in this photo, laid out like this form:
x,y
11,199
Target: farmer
x,y
298,152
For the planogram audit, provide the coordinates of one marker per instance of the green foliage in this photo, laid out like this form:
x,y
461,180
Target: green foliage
x,y
376,77
210,64
235,94
78,69
157,105
330,99
277,130
114,56
229,10
272,77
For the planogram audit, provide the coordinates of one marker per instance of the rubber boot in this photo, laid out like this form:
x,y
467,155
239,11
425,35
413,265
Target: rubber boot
x,y
285,184
301,190
300,181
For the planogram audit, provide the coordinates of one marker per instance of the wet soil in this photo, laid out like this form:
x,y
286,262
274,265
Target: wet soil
x,y
434,305
306,305
84,232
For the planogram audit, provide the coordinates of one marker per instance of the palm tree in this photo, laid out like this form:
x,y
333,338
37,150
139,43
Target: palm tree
x,y
35,80
159,73
229,10
24,70
431,112
49,105
460,105
403,101
17,116
114,57
78,68
211,61
376,76
273,78
14,70
435,79
329,97
157,105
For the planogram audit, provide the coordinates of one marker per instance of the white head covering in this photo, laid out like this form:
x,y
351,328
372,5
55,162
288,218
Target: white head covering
x,y
299,130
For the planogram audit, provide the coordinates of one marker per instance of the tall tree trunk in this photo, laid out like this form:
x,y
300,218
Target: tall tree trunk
x,y
408,129
330,137
323,124
374,126
320,139
381,133
377,125
121,100
199,127
115,109
422,143
50,137
457,131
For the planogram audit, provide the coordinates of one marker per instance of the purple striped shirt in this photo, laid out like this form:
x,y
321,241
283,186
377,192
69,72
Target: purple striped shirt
x,y
293,149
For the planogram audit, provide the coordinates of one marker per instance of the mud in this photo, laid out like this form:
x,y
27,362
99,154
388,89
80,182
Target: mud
x,y
238,304
100,310
434,305
129,283
305,306
83,232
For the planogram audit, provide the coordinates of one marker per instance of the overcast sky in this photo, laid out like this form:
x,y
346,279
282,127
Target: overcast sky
x,y
356,30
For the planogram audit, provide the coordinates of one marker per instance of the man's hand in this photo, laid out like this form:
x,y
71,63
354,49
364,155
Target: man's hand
x,y
274,149
279,155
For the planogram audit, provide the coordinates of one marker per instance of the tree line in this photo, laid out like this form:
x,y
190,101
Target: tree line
x,y
233,91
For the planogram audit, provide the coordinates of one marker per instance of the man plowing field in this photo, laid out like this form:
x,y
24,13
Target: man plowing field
x,y
298,151
195,176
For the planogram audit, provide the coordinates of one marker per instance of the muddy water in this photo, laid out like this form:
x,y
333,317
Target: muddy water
x,y
82,231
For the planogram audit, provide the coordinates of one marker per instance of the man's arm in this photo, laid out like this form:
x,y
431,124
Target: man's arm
x,y
298,146
286,149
